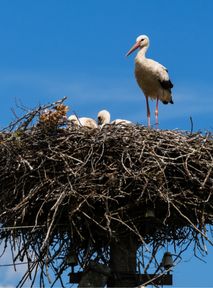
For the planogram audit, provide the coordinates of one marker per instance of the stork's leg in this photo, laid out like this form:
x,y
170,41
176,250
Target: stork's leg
x,y
156,113
148,110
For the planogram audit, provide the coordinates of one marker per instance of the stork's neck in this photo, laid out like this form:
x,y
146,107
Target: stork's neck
x,y
142,53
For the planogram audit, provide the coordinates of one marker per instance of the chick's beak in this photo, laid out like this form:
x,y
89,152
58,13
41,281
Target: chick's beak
x,y
99,121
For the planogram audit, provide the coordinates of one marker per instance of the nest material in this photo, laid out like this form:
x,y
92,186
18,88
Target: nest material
x,y
75,189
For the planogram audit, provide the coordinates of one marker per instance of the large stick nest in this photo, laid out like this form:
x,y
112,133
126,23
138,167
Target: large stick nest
x,y
79,187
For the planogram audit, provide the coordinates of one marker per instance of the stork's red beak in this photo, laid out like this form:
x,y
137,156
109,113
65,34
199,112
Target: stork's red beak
x,y
134,47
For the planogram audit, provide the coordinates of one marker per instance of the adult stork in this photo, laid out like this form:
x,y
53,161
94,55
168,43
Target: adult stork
x,y
152,77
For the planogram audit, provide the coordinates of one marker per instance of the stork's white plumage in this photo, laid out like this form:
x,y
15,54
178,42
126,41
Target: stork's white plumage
x,y
104,118
121,122
152,77
83,121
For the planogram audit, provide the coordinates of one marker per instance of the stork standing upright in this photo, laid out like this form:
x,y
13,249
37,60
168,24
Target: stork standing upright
x,y
152,77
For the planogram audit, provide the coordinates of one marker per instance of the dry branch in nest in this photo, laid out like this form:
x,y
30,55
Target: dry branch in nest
x,y
67,190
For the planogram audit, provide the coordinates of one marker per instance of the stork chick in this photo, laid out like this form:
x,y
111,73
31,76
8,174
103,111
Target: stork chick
x,y
82,121
121,122
104,118
152,77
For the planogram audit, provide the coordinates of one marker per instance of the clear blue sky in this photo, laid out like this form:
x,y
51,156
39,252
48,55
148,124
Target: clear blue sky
x,y
77,48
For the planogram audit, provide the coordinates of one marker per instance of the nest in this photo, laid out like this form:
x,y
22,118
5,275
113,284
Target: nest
x,y
70,190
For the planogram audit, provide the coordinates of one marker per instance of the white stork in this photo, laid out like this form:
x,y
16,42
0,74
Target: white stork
x,y
104,118
82,121
121,122
152,77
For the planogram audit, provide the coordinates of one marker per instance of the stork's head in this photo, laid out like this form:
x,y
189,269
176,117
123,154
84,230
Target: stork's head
x,y
103,117
141,41
73,120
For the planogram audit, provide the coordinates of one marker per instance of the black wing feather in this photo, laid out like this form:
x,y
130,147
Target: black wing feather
x,y
166,84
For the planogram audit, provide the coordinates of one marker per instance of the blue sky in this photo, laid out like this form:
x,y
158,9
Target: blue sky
x,y
77,48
